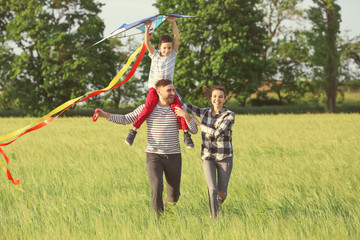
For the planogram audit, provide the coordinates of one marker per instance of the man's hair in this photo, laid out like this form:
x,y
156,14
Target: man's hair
x,y
208,91
165,38
163,83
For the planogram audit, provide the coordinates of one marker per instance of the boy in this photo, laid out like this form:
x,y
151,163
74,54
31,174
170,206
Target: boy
x,y
162,67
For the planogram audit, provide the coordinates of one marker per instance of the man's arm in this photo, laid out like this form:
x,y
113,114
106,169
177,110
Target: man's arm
x,y
119,118
176,33
148,45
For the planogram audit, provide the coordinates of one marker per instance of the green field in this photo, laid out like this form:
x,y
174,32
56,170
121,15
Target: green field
x,y
294,177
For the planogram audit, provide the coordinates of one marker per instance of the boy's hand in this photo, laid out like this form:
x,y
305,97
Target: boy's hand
x,y
147,24
171,19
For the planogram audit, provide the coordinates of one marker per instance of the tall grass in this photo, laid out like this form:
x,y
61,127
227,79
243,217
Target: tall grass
x,y
294,177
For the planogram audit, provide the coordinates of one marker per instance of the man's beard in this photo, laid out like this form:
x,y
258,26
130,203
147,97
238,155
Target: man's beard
x,y
169,100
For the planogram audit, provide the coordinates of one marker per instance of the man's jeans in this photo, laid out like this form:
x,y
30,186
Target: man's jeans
x,y
223,169
157,165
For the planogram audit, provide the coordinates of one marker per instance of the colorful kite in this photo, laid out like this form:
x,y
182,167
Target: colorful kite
x,y
155,22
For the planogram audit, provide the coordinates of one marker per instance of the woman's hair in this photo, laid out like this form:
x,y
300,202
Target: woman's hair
x,y
208,91
165,38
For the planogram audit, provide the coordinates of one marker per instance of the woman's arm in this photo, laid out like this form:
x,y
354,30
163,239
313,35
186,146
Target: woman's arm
x,y
225,124
190,108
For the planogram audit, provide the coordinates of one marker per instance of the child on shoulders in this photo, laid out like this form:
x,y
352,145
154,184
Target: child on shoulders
x,y
162,67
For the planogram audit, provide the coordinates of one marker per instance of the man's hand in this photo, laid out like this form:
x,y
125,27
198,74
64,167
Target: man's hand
x,y
181,113
103,114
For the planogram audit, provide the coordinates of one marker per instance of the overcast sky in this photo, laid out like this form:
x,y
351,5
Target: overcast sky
x,y
116,12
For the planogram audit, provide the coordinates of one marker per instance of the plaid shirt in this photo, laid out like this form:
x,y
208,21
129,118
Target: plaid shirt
x,y
216,131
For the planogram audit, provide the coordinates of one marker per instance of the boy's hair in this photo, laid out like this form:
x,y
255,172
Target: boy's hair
x,y
208,91
165,38
163,83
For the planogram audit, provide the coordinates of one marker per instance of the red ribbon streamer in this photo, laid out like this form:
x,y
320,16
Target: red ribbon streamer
x,y
46,122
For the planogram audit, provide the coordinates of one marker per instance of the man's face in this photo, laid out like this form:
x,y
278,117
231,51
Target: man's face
x,y
167,93
165,48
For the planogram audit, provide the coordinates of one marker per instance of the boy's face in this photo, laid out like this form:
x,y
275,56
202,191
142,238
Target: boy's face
x,y
165,48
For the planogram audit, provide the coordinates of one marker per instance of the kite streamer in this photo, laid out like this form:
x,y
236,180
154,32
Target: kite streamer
x,y
48,118
43,121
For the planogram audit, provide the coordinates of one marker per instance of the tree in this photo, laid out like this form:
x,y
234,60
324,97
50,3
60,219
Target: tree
x,y
286,51
275,13
53,64
291,79
6,56
225,47
349,59
325,18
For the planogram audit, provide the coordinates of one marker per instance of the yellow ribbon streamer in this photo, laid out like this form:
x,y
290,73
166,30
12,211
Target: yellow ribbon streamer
x,y
70,102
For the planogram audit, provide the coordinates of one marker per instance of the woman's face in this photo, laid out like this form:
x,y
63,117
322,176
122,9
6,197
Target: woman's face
x,y
218,98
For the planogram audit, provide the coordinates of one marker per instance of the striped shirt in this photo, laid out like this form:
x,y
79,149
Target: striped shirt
x,y
162,129
161,67
216,131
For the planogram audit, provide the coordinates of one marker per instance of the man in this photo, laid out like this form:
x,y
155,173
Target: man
x,y
163,153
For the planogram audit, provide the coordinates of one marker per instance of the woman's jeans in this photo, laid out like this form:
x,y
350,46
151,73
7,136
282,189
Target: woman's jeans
x,y
221,169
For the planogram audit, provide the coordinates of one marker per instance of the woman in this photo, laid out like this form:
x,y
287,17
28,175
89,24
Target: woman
x,y
216,149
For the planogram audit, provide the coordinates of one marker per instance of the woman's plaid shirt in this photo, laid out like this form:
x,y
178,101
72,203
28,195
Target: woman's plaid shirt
x,y
216,131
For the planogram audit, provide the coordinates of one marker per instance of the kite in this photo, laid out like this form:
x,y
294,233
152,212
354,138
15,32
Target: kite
x,y
140,25
54,114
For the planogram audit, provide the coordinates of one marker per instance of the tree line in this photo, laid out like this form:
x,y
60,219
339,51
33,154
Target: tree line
x,y
242,45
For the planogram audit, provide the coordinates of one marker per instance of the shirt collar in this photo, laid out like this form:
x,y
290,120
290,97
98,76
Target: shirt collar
x,y
219,112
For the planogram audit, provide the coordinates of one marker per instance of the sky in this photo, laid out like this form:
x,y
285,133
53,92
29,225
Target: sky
x,y
116,12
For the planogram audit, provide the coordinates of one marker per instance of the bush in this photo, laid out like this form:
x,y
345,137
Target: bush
x,y
354,84
12,113
265,102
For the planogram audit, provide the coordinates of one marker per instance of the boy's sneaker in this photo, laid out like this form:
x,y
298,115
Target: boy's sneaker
x,y
130,137
188,141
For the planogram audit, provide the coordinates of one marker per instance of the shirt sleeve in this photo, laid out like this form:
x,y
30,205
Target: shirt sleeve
x,y
127,118
192,126
173,52
225,124
190,108
152,55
